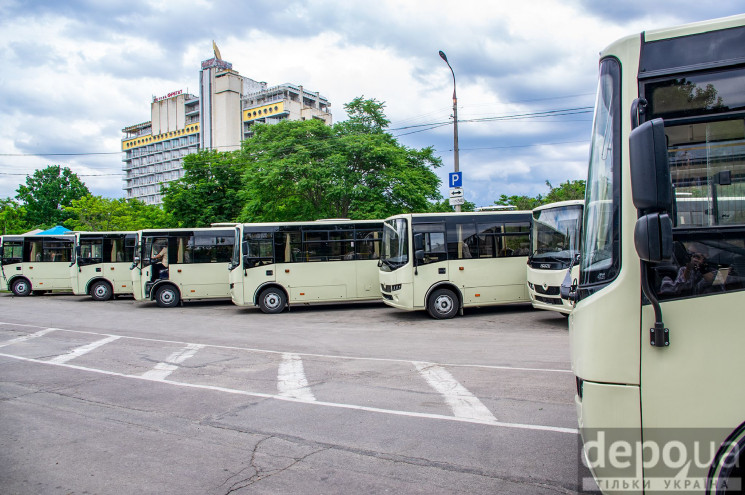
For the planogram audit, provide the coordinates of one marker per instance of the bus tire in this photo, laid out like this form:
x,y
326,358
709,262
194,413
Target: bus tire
x,y
442,304
272,300
101,291
167,296
21,287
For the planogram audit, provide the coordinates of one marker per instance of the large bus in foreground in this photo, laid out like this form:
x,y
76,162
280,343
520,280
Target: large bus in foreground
x,y
101,264
657,333
36,263
554,248
444,262
174,265
276,265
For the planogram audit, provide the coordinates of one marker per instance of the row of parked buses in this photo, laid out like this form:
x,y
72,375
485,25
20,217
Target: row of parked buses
x,y
441,263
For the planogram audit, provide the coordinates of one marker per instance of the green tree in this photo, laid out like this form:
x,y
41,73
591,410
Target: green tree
x,y
520,202
304,170
95,213
209,190
12,217
444,206
565,191
46,194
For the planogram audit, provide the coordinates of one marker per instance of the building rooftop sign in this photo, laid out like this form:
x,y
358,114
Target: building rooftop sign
x,y
216,62
169,95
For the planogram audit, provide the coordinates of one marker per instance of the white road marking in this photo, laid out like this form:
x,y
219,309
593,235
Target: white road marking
x,y
75,353
162,370
463,403
322,356
554,429
291,381
28,337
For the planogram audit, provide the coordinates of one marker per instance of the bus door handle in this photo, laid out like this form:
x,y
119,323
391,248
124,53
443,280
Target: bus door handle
x,y
441,271
98,270
270,273
18,268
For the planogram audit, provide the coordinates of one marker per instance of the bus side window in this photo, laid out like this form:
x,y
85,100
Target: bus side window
x,y
435,245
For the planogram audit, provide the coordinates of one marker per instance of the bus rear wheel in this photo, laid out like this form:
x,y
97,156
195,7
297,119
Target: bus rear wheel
x,y
101,291
21,287
442,304
167,296
272,300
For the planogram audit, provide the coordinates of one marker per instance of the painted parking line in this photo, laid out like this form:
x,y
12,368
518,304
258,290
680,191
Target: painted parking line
x,y
554,429
291,380
28,337
82,350
323,356
161,371
463,403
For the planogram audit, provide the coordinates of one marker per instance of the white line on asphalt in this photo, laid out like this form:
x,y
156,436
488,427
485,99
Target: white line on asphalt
x,y
463,403
324,356
28,337
554,429
162,370
291,381
82,350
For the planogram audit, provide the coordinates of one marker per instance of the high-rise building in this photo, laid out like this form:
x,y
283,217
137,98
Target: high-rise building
x,y
219,118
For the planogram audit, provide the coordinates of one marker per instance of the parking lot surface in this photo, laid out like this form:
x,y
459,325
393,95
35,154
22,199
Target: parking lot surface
x,y
125,397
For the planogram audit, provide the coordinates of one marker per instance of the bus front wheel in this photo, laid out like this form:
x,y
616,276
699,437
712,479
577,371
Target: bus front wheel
x,y
21,287
272,300
442,304
101,291
167,296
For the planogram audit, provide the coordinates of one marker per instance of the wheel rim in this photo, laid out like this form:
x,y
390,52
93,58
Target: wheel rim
x,y
167,296
272,301
444,304
21,287
101,291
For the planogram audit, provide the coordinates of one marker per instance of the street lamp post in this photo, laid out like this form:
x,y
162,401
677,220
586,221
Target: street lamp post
x,y
455,121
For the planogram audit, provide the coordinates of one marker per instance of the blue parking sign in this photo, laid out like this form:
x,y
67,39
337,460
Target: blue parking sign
x,y
456,179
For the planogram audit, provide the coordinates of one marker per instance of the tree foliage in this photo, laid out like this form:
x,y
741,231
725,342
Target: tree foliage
x,y
563,192
95,213
209,190
12,217
305,170
46,194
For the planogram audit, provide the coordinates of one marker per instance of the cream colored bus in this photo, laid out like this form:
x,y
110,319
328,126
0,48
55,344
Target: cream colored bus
x,y
36,263
101,264
657,338
276,265
554,249
174,265
444,262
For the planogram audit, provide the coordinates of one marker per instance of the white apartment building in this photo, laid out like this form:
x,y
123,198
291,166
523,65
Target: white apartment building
x,y
220,117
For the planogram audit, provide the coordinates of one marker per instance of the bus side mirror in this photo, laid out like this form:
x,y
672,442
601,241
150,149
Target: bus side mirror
x,y
419,255
567,289
651,187
244,248
653,237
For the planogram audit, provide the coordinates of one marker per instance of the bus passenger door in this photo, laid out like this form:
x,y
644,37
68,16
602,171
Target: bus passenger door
x,y
433,266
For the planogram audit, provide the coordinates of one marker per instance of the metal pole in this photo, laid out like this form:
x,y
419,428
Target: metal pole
x,y
455,122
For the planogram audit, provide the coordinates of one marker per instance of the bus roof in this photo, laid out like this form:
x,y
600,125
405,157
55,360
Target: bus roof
x,y
675,32
561,204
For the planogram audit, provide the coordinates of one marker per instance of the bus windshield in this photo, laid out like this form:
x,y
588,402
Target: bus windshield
x,y
600,257
395,244
556,233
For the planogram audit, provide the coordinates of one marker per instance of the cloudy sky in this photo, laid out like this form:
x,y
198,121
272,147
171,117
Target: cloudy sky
x,y
74,73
